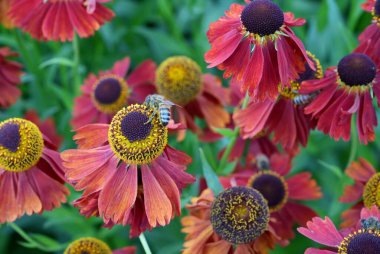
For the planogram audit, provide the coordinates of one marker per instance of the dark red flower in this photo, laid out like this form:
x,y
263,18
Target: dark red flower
x,y
58,20
105,94
31,175
345,90
255,45
10,73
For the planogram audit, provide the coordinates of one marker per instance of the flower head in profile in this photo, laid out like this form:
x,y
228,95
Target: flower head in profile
x,y
59,20
235,221
180,80
364,192
254,43
364,237
31,175
345,90
287,110
105,94
4,19
90,245
270,175
10,73
128,172
369,40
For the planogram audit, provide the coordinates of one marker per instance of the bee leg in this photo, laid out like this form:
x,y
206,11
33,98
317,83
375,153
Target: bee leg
x,y
151,118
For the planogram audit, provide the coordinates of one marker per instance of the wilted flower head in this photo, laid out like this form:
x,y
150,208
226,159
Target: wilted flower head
x,y
127,171
255,45
59,20
31,175
181,81
90,245
109,91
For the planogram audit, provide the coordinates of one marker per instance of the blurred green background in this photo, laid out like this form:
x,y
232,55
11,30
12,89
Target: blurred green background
x,y
158,29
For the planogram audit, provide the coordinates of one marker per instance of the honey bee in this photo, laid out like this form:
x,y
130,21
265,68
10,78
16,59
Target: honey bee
x,y
303,99
262,162
161,106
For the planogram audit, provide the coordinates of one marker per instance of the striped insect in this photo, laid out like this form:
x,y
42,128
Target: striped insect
x,y
303,99
161,106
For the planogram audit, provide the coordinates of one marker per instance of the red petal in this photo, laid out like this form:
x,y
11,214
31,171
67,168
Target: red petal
x,y
302,187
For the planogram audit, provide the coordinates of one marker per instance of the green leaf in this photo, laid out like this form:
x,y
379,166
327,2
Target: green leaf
x,y
225,132
48,242
334,169
210,176
57,61
229,168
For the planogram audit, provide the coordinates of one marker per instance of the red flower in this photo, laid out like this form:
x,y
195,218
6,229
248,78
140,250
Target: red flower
x,y
93,245
369,40
256,46
180,80
270,176
59,19
127,171
344,91
363,238
204,235
31,175
4,19
363,193
287,110
10,73
107,93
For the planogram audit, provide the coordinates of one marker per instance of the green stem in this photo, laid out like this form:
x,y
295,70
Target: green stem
x,y
354,143
144,243
21,232
231,144
76,60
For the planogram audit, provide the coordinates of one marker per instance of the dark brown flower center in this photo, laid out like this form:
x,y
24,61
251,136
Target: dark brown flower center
x,y
364,243
10,136
239,215
356,69
107,91
262,17
135,126
377,8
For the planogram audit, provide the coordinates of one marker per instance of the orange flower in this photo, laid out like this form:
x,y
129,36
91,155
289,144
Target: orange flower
x,y
127,171
58,20
31,175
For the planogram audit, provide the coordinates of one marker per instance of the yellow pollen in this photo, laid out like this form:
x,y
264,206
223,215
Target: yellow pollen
x,y
349,245
179,79
27,142
371,194
88,245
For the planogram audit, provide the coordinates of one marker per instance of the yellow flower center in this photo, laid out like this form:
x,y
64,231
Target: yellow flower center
x,y
88,245
110,94
136,135
179,79
371,194
21,144
361,241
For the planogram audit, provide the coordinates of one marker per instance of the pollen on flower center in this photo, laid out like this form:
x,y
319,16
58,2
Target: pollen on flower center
x,y
262,17
309,74
21,145
356,69
371,193
179,79
273,188
110,94
361,242
239,215
88,245
135,136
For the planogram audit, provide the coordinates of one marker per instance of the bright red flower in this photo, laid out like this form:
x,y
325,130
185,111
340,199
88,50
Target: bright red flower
x,y
270,175
255,45
58,20
31,175
180,80
345,90
4,19
10,73
284,117
369,40
363,193
364,237
92,245
204,235
105,94
127,171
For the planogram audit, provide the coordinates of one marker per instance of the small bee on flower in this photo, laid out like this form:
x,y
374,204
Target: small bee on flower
x,y
304,99
161,106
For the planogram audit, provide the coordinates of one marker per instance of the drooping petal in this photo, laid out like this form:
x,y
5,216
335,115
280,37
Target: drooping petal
x,y
302,187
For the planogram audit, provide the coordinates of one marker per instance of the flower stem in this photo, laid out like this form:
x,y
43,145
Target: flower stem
x,y
231,144
144,243
354,143
76,61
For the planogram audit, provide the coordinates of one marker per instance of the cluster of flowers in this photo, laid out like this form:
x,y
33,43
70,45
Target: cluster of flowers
x,y
130,175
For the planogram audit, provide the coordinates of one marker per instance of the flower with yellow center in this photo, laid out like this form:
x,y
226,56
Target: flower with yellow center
x,y
371,194
135,136
88,245
21,144
110,94
179,79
